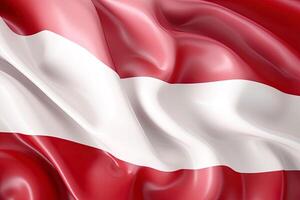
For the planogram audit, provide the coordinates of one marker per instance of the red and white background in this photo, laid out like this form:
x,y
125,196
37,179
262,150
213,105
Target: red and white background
x,y
149,99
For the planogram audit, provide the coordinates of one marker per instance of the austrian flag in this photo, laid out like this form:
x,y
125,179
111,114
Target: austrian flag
x,y
149,100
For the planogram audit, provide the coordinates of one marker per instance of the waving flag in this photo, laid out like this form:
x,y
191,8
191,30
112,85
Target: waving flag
x,y
149,99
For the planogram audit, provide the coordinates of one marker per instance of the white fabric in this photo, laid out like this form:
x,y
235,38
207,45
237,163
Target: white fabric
x,y
52,86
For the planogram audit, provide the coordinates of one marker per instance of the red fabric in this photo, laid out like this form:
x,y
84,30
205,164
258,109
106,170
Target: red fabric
x,y
174,40
40,167
178,41
75,20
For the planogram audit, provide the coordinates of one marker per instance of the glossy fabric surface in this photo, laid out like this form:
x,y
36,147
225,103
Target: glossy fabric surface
x,y
38,167
178,41
182,42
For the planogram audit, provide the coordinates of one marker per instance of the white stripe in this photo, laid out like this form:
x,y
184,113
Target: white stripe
x,y
51,86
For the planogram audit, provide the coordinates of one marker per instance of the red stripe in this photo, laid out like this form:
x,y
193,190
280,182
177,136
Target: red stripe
x,y
75,20
187,41
52,168
279,17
